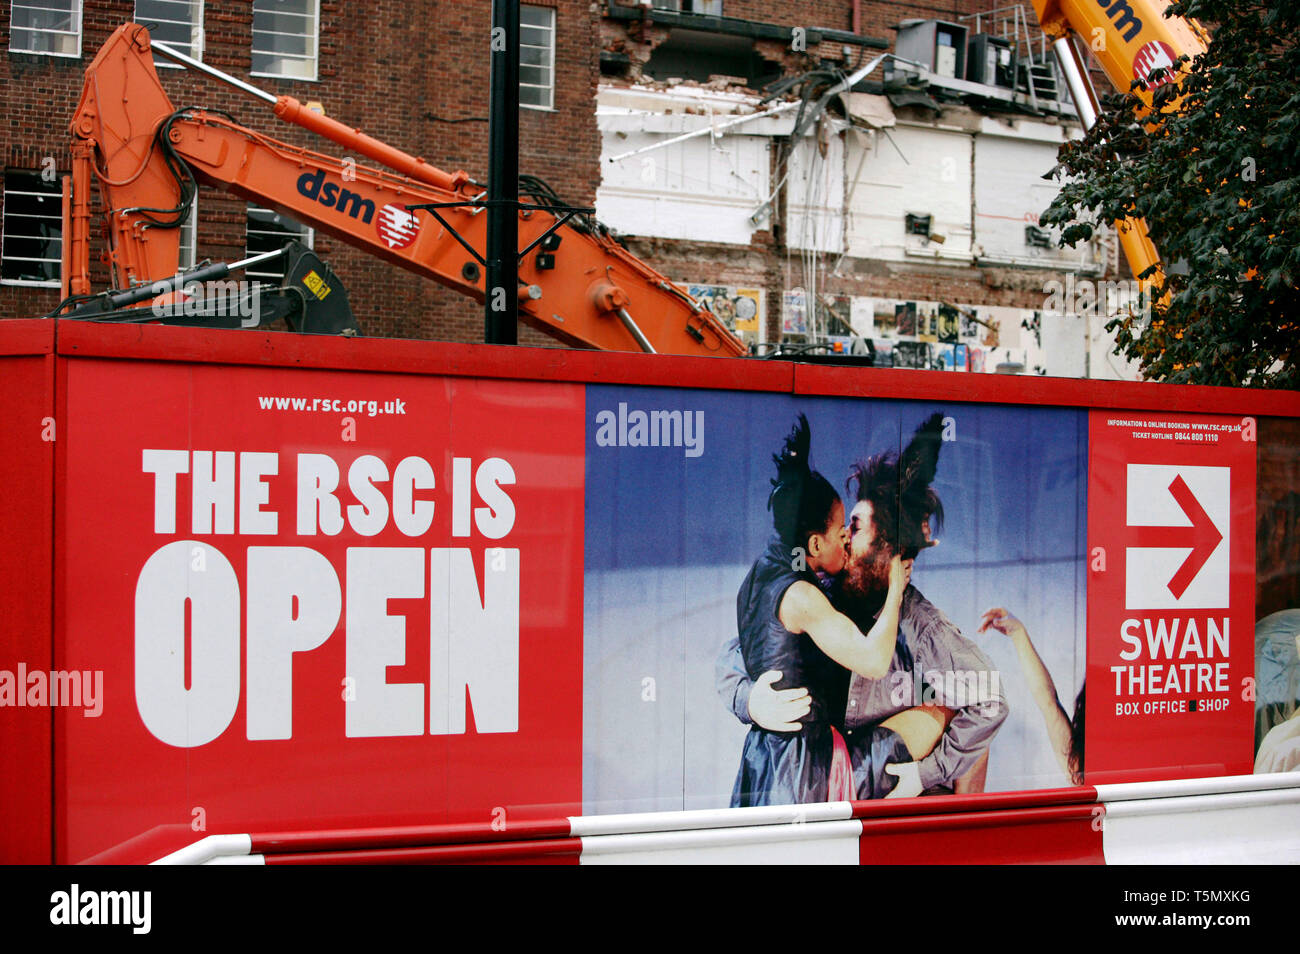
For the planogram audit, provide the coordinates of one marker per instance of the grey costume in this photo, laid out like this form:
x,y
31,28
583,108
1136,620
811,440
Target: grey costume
x,y
928,643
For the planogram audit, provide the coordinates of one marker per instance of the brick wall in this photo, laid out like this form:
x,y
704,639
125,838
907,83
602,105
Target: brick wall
x,y
402,72
395,69
879,16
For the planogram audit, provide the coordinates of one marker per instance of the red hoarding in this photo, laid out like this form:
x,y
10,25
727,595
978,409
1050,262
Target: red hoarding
x,y
317,600
322,585
27,439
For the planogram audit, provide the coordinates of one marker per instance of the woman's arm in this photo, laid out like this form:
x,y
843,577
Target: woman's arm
x,y
805,609
1041,686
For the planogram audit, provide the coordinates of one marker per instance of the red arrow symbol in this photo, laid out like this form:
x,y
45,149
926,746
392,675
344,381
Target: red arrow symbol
x,y
1202,536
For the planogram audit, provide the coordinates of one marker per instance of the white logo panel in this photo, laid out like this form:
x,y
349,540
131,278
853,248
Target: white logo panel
x,y
1150,569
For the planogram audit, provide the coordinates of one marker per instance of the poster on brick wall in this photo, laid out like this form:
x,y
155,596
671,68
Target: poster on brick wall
x,y
862,316
794,312
740,309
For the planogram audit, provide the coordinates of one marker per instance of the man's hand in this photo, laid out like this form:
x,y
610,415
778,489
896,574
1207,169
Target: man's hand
x,y
777,710
909,779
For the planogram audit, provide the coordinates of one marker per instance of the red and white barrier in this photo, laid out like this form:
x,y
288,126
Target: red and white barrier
x,y
1247,819
1251,819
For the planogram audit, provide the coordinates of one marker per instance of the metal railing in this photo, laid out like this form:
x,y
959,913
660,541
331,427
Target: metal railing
x,y
1013,24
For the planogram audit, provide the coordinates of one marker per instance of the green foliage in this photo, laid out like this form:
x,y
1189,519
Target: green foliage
x,y
1214,170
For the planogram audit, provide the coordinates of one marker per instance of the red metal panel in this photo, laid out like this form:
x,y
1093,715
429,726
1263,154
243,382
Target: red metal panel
x,y
1056,825
27,336
1068,834
163,343
209,346
1174,709
319,775
27,429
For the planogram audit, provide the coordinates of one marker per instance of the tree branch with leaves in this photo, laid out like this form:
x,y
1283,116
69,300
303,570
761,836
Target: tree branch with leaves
x,y
1213,167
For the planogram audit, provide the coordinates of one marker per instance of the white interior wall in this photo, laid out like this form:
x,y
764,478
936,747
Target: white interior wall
x,y
929,173
1102,363
1010,193
815,192
982,185
703,189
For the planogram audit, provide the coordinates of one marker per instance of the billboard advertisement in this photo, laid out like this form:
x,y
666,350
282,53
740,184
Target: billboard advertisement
x,y
323,600
1172,601
318,600
992,620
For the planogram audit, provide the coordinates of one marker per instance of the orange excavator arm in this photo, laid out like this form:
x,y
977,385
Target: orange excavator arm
x,y
1131,39
578,285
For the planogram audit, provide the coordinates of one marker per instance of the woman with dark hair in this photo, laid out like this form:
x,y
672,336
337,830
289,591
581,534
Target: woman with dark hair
x,y
786,623
1065,733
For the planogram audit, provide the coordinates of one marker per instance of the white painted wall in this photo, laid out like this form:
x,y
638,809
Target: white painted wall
x,y
815,192
703,189
932,175
1010,193
1065,345
1102,362
847,191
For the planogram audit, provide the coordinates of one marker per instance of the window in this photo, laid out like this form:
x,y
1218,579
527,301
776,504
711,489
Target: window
x,y
286,38
52,27
178,23
710,8
268,230
189,233
32,249
536,57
